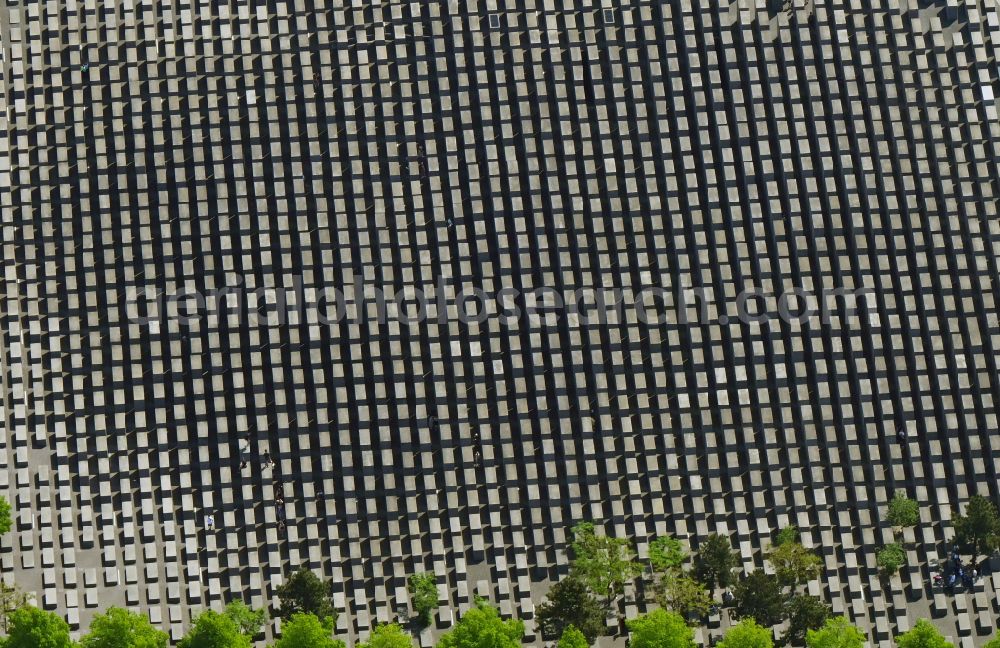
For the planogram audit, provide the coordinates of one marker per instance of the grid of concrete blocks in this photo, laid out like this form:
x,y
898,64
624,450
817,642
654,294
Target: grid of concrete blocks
x,y
730,161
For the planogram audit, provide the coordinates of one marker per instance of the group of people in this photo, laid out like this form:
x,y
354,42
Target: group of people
x,y
267,463
245,444
279,504
477,452
956,572
421,160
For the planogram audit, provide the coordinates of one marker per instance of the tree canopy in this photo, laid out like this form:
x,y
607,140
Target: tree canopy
x,y
993,643
684,595
570,603
890,558
248,620
759,597
666,553
902,511
794,564
388,635
716,561
214,630
787,534
604,563
979,527
922,635
747,634
482,627
305,592
306,631
30,627
572,638
119,628
804,613
11,599
6,516
660,629
836,633
423,594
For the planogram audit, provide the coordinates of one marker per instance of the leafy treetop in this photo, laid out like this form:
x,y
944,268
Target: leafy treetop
x,y
30,627
604,563
119,628
747,634
304,591
306,631
572,638
836,633
6,516
388,635
11,600
759,597
716,561
979,527
890,558
248,620
804,612
794,564
482,627
684,595
666,553
660,629
903,511
922,635
424,594
571,603
214,630
787,534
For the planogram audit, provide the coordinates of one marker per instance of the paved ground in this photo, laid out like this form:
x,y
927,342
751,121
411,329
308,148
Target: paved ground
x,y
244,159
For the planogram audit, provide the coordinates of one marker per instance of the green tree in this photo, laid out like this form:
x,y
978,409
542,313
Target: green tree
x,y
660,629
6,516
902,511
993,643
11,599
571,603
979,527
248,620
788,534
890,559
304,591
604,563
424,594
747,634
684,595
34,628
666,553
836,633
759,597
716,561
804,613
388,635
572,638
214,630
119,628
306,631
794,564
482,627
922,635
